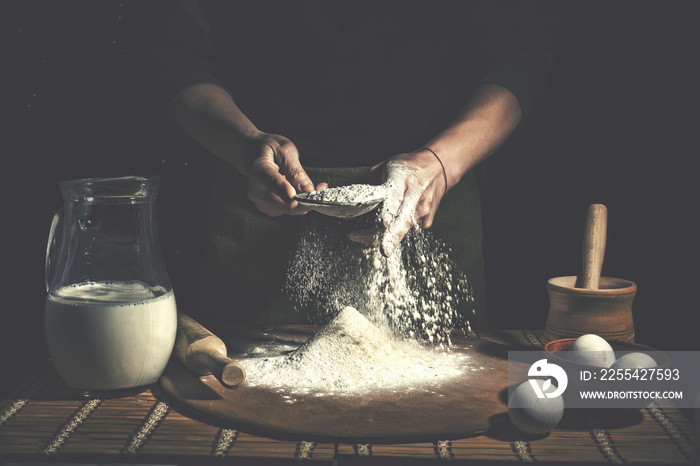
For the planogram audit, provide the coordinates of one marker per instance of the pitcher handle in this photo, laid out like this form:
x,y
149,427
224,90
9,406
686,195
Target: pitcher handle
x,y
51,246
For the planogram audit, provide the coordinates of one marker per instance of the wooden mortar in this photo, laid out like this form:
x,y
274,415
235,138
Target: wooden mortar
x,y
591,303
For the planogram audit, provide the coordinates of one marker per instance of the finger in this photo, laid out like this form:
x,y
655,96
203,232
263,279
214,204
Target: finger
x,y
269,203
398,183
402,223
428,219
292,169
422,209
426,211
395,194
267,172
321,186
368,236
276,207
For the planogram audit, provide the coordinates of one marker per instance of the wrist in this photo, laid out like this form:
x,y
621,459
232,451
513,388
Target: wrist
x,y
456,156
245,151
442,165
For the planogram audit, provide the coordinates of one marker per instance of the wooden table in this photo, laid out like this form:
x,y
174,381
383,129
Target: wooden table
x,y
43,421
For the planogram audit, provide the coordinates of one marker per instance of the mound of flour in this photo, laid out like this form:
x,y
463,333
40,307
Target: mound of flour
x,y
351,356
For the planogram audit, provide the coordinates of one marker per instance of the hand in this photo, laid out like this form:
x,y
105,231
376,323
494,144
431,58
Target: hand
x,y
275,176
415,186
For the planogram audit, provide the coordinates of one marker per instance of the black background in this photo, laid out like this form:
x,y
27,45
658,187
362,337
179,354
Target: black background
x,y
617,127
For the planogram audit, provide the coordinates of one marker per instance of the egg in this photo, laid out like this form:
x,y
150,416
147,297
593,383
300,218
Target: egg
x,y
534,415
592,350
634,361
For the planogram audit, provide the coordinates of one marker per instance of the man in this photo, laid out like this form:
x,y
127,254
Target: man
x,y
298,95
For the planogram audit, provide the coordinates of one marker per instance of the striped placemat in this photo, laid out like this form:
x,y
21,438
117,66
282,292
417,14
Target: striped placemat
x,y
44,421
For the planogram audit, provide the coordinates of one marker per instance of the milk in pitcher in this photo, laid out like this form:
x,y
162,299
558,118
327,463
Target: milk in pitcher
x,y
110,335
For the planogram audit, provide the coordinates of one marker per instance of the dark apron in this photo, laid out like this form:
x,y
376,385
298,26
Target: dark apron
x,y
246,253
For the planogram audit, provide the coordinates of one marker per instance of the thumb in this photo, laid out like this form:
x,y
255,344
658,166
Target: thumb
x,y
268,173
292,170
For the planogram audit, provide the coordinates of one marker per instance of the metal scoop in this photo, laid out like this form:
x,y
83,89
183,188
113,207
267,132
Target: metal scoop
x,y
346,208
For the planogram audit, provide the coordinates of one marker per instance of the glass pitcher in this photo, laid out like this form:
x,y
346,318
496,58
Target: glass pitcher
x,y
110,317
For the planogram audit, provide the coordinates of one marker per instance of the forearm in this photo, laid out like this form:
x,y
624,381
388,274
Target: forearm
x,y
483,126
208,114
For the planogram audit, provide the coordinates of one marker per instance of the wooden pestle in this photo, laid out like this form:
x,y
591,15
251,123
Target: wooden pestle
x,y
594,245
589,303
202,352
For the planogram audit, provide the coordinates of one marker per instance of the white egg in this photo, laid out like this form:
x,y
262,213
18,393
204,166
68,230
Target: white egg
x,y
634,361
592,350
534,415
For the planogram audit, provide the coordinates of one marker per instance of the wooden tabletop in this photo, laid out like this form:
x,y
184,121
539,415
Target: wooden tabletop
x,y
44,421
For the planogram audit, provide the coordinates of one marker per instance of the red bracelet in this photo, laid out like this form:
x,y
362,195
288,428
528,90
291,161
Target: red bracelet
x,y
444,172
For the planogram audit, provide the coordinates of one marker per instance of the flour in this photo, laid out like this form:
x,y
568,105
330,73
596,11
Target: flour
x,y
388,319
417,290
351,194
352,356
416,293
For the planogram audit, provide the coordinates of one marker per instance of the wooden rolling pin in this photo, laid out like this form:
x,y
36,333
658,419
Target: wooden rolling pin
x,y
202,352
594,245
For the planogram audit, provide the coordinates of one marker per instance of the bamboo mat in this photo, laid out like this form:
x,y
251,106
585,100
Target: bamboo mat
x,y
43,421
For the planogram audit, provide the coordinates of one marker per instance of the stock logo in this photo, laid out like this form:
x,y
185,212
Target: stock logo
x,y
542,368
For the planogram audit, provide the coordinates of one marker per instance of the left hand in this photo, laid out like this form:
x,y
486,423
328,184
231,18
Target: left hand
x,y
275,176
415,186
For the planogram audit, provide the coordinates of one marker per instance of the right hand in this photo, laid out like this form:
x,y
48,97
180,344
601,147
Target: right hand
x,y
275,176
414,185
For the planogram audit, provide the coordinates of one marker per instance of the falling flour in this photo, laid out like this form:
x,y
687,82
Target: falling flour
x,y
416,293
352,356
